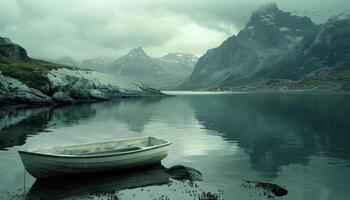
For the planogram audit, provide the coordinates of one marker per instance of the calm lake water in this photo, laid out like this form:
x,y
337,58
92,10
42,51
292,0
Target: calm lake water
x,y
298,141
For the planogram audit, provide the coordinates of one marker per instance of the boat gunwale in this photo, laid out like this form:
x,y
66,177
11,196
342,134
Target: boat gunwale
x,y
167,143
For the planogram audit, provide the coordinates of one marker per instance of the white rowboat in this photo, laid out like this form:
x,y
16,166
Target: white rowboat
x,y
94,157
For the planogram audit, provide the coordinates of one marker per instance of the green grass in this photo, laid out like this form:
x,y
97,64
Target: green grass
x,y
339,81
32,73
339,76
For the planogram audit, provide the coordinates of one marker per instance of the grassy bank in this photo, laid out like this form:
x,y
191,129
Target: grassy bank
x,y
337,82
32,73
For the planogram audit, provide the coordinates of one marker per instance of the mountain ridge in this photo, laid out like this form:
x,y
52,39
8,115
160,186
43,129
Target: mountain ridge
x,y
265,49
161,73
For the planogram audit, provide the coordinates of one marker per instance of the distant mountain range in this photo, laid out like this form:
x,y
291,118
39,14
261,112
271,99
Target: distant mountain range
x,y
98,63
160,73
277,50
163,73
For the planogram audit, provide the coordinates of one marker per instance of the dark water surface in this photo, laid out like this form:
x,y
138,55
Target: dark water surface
x,y
298,141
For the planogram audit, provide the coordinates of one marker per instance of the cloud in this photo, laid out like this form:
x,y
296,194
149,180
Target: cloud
x,y
90,28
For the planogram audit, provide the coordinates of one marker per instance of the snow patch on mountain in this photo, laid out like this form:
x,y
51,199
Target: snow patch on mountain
x,y
137,52
342,16
180,58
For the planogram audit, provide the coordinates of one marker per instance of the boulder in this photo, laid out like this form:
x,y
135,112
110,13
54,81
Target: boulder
x,y
180,172
269,189
62,97
13,91
98,95
80,93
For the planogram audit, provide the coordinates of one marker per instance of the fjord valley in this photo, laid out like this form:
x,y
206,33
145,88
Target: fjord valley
x,y
174,100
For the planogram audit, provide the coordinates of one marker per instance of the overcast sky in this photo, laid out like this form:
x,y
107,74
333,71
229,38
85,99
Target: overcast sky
x,y
92,28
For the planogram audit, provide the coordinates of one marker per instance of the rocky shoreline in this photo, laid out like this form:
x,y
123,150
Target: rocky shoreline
x,y
27,81
335,83
68,86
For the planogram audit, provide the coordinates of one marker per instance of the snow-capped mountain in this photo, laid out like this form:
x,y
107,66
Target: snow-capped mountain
x,y
183,58
161,73
137,52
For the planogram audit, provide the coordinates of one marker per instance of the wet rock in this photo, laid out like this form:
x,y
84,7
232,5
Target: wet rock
x,y
208,196
269,188
98,95
13,91
62,97
78,79
180,172
79,93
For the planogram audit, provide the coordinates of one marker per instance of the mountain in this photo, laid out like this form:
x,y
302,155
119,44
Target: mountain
x,y
319,62
161,73
99,64
324,51
181,58
11,51
24,80
68,61
268,35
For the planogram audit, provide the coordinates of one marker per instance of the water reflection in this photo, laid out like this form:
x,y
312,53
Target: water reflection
x,y
275,130
108,184
19,123
227,137
135,113
278,130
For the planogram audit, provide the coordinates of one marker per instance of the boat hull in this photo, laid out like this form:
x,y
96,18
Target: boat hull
x,y
44,166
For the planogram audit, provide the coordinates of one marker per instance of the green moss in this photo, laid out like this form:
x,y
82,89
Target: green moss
x,y
32,73
346,87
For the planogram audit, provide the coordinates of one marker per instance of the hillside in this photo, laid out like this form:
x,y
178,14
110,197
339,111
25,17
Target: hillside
x,y
24,80
288,52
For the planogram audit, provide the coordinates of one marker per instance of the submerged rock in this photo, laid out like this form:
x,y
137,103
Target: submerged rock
x,y
269,188
180,172
208,196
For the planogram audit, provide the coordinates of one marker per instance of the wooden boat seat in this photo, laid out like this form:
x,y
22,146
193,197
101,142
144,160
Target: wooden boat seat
x,y
110,152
